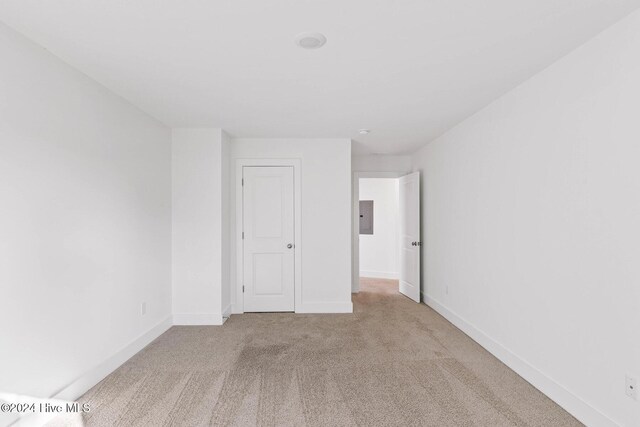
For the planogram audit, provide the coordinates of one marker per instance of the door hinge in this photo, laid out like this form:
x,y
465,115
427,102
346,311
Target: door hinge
x,y
242,288
243,181
243,235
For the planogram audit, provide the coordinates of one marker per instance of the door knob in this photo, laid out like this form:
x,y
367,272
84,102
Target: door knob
x,y
413,243
289,246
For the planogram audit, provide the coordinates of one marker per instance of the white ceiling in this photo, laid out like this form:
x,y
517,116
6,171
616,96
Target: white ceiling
x,y
408,70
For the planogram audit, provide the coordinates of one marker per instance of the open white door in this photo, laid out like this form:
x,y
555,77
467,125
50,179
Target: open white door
x,y
410,236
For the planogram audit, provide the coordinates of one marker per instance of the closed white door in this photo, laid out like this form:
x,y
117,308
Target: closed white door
x,y
410,236
268,242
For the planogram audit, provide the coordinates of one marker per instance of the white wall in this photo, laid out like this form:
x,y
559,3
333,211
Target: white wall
x,y
85,223
326,216
379,251
381,163
531,218
200,166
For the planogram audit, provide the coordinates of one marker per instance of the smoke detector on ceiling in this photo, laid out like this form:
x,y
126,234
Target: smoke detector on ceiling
x,y
310,40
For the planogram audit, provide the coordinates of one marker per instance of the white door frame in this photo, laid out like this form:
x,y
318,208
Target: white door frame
x,y
297,216
355,226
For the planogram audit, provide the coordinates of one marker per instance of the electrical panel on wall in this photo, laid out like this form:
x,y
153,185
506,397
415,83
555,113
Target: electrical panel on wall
x,y
366,216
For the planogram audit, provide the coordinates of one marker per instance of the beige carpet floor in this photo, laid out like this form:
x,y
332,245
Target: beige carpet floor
x,y
392,362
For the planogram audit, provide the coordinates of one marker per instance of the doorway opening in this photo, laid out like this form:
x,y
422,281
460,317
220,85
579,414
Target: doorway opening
x,y
379,234
386,232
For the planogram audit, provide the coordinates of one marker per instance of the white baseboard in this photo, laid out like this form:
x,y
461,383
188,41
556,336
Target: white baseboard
x,y
573,404
80,386
325,307
198,319
379,274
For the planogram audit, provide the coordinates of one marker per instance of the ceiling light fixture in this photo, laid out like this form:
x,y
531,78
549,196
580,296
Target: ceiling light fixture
x,y
310,40
364,131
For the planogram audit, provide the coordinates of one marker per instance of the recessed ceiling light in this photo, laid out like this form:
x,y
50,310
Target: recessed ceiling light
x,y
363,131
310,40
